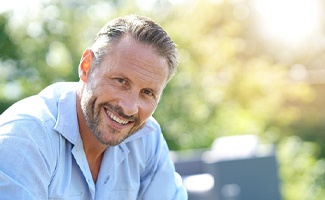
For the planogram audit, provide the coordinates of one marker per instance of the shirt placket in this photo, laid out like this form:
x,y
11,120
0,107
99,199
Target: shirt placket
x,y
108,174
81,160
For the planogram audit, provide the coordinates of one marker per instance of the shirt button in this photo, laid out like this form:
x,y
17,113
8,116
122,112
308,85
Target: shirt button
x,y
107,179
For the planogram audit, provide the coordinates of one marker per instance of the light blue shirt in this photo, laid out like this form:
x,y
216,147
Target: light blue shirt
x,y
42,156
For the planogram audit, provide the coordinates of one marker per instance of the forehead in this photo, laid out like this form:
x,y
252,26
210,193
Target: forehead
x,y
138,60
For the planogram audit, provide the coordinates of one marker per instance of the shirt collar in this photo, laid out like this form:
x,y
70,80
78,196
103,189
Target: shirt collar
x,y
67,122
140,133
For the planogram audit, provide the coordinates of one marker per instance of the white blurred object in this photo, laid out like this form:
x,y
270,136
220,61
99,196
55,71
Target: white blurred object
x,y
199,183
232,147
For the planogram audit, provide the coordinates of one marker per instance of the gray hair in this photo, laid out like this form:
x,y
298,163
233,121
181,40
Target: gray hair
x,y
142,29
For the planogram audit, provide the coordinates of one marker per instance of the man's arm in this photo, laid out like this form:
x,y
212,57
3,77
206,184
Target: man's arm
x,y
24,170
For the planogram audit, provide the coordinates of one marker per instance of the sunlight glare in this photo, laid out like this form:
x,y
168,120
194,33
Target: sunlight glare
x,y
17,5
288,21
146,4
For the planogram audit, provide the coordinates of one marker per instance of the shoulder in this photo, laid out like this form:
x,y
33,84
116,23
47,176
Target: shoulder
x,y
31,120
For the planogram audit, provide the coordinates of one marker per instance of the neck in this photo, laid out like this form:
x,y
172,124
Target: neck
x,y
94,162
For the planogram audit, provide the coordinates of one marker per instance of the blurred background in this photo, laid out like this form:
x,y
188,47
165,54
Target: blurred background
x,y
246,67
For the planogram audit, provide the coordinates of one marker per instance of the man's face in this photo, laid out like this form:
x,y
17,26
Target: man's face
x,y
123,91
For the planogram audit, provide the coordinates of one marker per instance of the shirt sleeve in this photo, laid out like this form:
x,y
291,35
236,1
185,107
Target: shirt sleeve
x,y
24,170
160,181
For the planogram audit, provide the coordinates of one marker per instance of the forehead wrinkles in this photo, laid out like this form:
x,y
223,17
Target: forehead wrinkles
x,y
141,58
156,71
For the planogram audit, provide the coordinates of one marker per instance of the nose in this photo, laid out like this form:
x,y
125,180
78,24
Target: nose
x,y
130,103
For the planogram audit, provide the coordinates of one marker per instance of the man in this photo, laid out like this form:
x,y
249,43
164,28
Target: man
x,y
96,139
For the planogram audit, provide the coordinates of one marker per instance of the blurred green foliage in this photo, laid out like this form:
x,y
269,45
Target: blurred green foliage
x,y
229,81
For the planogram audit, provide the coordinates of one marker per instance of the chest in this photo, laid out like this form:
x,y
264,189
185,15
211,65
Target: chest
x,y
119,175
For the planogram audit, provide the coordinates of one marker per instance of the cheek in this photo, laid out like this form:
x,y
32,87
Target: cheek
x,y
88,104
103,91
85,98
147,110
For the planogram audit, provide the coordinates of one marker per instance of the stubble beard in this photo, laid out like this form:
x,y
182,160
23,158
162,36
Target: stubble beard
x,y
92,113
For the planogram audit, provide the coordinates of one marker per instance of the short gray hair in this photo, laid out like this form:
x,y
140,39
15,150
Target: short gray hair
x,y
142,29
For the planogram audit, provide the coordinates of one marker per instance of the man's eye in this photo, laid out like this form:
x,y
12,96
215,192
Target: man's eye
x,y
148,92
121,80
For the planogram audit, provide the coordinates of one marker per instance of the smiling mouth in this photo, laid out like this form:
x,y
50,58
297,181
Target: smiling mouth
x,y
116,118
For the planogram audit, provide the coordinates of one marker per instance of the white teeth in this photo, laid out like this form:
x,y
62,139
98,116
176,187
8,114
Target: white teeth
x,y
116,119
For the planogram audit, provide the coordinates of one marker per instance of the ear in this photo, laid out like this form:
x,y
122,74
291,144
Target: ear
x,y
85,64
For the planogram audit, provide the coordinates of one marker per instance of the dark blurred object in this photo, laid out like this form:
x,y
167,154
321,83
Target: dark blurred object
x,y
236,168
